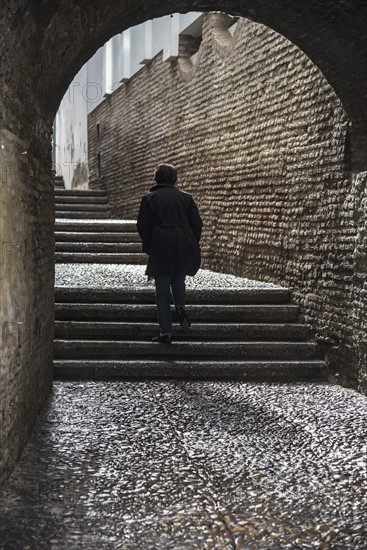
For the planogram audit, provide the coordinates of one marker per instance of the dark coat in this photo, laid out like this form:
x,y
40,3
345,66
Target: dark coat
x,y
169,225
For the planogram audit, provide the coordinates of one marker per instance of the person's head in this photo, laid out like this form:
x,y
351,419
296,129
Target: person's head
x,y
165,173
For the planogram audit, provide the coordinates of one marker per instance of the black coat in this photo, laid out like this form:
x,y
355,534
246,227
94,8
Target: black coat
x,y
169,225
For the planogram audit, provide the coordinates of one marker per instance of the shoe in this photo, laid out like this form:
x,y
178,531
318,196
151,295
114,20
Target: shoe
x,y
182,317
162,339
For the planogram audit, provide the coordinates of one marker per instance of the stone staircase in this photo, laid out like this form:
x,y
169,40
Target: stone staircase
x,y
59,183
102,241
105,333
81,204
85,234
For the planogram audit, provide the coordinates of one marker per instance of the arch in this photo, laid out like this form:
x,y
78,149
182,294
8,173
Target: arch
x,y
48,42
332,34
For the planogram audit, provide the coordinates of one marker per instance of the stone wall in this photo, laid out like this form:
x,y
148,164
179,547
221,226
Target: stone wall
x,y
359,334
27,292
262,142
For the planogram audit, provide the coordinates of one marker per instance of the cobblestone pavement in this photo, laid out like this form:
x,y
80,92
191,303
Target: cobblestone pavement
x,y
121,275
191,465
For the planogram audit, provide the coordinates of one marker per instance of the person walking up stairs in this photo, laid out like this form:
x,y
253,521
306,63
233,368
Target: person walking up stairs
x,y
104,329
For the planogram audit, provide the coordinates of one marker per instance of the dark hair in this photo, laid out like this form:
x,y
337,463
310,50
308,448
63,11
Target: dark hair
x,y
165,173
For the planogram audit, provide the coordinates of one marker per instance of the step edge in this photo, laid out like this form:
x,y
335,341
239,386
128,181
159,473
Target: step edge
x,y
204,361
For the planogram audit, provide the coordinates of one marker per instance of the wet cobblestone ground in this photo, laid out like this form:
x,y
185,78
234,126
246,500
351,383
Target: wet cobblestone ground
x,y
191,465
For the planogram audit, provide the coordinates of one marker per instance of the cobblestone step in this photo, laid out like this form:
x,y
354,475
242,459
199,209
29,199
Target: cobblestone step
x,y
94,226
203,313
85,199
246,333
101,349
86,207
240,370
107,248
79,330
80,193
229,296
81,215
112,237
100,257
59,182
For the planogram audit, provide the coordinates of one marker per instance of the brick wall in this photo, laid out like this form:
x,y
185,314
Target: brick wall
x,y
262,142
359,318
27,286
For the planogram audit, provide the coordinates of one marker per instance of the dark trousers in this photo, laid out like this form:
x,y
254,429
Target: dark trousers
x,y
163,285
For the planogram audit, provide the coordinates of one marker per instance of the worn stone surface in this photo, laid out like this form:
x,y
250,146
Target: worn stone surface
x,y
133,276
26,292
242,330
359,340
192,465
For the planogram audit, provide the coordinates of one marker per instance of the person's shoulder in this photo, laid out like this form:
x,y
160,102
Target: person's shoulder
x,y
145,197
185,193
150,194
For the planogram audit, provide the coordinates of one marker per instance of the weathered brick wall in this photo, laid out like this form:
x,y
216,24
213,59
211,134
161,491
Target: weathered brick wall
x,y
359,334
26,279
261,140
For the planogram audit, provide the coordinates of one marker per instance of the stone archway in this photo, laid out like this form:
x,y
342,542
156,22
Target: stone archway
x,y
43,46
46,43
332,35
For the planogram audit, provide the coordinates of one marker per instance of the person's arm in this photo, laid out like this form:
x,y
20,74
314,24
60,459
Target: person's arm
x,y
144,224
195,221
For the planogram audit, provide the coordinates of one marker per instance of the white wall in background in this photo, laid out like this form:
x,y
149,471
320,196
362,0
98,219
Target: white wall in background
x,y
112,65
